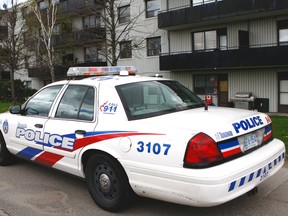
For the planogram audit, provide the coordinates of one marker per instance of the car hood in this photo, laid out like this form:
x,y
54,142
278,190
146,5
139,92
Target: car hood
x,y
219,123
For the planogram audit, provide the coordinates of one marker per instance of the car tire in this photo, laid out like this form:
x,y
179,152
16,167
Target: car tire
x,y
5,156
107,183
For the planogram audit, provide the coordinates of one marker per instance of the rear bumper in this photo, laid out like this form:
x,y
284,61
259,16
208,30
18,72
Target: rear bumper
x,y
211,186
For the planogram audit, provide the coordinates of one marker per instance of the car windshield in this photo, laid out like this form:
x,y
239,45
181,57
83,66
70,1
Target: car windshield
x,y
153,98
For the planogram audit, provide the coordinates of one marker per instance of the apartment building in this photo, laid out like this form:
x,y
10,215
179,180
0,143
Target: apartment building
x,y
4,74
221,47
214,47
81,35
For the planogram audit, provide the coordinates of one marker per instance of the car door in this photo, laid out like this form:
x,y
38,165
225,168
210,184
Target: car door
x,y
26,128
73,119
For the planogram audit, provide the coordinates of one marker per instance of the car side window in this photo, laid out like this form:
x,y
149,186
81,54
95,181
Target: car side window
x,y
77,103
40,104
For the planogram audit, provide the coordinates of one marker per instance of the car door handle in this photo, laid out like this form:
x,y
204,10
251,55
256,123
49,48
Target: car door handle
x,y
38,125
80,132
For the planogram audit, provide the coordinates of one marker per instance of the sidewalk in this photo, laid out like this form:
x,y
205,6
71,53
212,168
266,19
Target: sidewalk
x,y
277,114
276,187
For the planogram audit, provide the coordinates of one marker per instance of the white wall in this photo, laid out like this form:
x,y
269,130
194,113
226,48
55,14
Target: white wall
x,y
262,83
143,29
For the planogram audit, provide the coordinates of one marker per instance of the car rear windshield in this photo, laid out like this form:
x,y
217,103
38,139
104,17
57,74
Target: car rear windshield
x,y
154,98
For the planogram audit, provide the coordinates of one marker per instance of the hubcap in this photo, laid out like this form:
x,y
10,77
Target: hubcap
x,y
104,182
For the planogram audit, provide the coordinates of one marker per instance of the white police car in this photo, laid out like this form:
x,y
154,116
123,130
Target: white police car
x,y
143,135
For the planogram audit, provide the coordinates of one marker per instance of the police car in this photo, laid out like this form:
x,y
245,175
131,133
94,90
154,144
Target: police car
x,y
148,136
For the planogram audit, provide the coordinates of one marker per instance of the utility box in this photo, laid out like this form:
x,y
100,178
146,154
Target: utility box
x,y
262,104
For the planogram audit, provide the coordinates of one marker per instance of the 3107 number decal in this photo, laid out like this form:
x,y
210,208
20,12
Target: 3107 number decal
x,y
154,148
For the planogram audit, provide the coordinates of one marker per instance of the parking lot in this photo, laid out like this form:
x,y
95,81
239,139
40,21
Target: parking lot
x,y
30,189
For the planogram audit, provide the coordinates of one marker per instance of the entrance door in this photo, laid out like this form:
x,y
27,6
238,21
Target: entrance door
x,y
283,92
223,90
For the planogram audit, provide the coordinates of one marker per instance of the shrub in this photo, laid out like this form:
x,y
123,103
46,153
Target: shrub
x,y
21,91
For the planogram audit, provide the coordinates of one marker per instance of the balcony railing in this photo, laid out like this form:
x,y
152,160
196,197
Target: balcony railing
x,y
89,34
42,72
260,56
79,37
218,11
72,5
60,70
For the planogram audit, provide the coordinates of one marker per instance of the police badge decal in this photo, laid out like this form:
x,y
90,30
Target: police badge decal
x,y
5,127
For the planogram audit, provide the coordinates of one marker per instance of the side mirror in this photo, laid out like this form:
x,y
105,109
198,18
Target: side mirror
x,y
16,109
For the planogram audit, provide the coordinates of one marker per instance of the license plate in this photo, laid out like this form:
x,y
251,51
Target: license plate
x,y
248,141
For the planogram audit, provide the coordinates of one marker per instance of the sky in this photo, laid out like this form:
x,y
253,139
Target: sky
x,y
8,3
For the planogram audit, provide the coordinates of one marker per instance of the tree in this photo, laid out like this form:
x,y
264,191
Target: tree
x,y
12,41
119,26
47,20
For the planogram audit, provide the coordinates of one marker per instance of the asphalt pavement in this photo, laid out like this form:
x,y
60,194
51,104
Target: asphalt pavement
x,y
27,189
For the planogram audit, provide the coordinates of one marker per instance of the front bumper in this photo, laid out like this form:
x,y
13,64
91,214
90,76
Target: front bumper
x,y
207,187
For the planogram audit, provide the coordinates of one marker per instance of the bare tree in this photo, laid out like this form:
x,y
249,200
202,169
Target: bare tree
x,y
47,20
119,26
11,39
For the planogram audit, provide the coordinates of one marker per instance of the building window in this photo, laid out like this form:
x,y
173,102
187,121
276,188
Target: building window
x,y
210,40
153,46
91,54
91,21
125,49
152,8
57,29
124,14
205,84
201,2
283,32
42,5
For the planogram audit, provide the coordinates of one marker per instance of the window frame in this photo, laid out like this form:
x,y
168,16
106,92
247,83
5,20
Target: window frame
x,y
151,13
219,33
28,103
205,87
94,21
125,51
140,102
282,25
91,54
156,46
124,14
80,104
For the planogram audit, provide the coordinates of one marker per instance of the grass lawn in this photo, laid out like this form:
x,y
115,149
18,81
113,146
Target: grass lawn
x,y
280,124
280,128
4,106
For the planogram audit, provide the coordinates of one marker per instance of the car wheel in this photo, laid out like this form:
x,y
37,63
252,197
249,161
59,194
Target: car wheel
x,y
107,182
5,156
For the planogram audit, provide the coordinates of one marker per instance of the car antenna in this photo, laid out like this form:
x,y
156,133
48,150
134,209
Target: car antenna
x,y
206,107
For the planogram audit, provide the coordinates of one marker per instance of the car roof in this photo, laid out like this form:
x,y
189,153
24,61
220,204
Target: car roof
x,y
107,80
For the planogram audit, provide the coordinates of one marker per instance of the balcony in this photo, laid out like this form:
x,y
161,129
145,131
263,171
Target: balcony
x,y
79,37
220,11
88,35
42,72
73,5
3,32
272,56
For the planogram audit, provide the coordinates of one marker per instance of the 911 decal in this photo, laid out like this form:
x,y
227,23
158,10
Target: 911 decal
x,y
108,108
155,148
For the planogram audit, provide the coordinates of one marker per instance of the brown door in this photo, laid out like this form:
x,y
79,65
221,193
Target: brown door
x,y
283,92
223,93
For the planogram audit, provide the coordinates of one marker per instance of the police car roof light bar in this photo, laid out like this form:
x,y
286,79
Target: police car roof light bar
x,y
100,71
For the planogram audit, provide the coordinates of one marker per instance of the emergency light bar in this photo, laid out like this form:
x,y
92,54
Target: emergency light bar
x,y
101,71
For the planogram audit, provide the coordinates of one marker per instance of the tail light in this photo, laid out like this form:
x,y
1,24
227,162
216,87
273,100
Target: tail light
x,y
202,151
